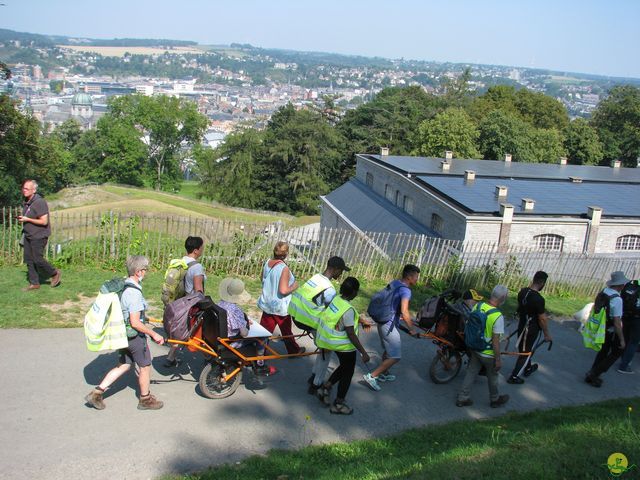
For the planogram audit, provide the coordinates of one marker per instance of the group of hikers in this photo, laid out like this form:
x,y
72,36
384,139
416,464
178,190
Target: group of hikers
x,y
327,314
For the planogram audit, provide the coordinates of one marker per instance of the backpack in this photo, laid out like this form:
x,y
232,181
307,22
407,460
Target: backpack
x,y
175,316
428,314
380,307
631,301
173,284
595,329
475,327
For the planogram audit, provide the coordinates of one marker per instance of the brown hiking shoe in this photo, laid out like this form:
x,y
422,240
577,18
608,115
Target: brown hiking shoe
x,y
501,400
149,402
95,399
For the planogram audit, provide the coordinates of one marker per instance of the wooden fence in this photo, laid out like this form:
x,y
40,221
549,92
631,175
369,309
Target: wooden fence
x,y
106,238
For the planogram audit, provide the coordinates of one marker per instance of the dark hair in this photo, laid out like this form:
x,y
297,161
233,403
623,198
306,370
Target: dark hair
x,y
350,287
191,243
409,270
540,277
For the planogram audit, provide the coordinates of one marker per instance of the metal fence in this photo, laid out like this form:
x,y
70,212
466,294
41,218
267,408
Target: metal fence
x,y
106,238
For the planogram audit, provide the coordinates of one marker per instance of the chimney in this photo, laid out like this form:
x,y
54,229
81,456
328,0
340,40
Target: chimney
x,y
469,176
506,212
594,214
575,179
445,165
563,160
528,203
616,164
448,155
501,191
507,157
384,151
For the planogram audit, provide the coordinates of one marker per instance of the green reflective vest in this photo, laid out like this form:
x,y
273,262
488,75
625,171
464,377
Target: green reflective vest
x,y
302,306
488,330
327,337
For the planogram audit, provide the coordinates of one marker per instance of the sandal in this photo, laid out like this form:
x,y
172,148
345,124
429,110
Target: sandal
x,y
341,409
324,395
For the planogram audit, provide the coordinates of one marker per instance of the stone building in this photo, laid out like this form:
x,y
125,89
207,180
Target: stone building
x,y
549,207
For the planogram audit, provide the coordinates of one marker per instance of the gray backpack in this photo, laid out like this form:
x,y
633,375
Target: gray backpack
x,y
176,314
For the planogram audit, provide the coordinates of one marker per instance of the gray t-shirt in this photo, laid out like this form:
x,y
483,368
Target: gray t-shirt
x,y
193,271
132,301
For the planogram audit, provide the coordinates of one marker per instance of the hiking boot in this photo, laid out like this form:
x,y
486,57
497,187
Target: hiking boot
x,y
529,370
95,399
149,402
502,399
55,280
515,380
371,381
464,403
626,370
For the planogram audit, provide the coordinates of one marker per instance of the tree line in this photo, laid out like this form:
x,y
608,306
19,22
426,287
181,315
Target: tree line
x,y
304,153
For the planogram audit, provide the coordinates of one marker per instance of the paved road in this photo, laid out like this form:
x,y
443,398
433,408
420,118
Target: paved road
x,y
46,431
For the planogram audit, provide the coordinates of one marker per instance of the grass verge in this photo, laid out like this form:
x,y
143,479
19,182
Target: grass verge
x,y
563,443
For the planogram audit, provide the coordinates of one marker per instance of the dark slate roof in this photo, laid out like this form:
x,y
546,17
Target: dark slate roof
x,y
501,169
372,213
552,197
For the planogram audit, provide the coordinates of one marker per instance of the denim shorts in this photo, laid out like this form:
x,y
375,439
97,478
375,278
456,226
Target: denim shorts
x,y
138,352
390,341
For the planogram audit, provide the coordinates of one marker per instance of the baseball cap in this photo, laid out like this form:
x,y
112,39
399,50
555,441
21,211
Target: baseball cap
x,y
338,262
472,294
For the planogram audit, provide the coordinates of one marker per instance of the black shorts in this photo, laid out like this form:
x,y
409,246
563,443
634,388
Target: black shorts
x,y
137,352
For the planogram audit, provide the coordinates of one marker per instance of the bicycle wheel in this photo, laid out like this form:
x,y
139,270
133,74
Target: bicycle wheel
x,y
445,366
212,382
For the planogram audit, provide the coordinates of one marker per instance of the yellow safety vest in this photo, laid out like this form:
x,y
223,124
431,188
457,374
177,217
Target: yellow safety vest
x,y
327,337
302,307
488,331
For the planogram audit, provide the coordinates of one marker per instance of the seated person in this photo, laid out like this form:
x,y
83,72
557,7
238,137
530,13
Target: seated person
x,y
466,303
232,292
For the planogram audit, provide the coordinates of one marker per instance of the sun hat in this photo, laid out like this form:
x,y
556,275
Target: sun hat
x,y
617,278
232,290
472,294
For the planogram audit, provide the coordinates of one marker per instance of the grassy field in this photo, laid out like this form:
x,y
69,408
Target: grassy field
x,y
66,305
131,199
564,443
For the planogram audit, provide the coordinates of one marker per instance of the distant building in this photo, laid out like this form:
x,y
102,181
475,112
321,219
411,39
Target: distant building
x,y
550,207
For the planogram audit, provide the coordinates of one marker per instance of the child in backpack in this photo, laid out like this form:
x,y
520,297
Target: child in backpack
x,y
133,309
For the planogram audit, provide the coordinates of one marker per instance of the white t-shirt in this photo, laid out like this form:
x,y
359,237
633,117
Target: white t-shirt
x,y
193,271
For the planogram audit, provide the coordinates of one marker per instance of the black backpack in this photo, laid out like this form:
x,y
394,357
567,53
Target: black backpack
x,y
630,301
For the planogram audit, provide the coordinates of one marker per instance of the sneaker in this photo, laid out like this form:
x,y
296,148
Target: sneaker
x,y
388,377
95,399
464,403
626,370
515,380
371,381
312,390
593,381
529,370
502,399
149,403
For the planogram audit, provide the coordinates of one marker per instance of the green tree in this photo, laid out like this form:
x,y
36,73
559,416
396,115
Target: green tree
x,y
68,133
502,132
617,121
452,130
582,143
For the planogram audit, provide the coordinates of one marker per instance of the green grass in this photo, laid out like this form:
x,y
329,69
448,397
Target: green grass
x,y
568,442
66,305
190,189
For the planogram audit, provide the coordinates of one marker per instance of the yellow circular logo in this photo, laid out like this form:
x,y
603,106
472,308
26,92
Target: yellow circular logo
x,y
617,463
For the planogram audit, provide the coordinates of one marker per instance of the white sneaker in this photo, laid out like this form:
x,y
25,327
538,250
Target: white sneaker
x,y
386,377
371,381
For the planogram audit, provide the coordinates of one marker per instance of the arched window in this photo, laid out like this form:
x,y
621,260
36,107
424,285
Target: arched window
x,y
408,205
628,242
389,194
549,241
436,223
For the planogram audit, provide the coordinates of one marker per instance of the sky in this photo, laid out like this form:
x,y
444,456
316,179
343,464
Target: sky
x,y
588,36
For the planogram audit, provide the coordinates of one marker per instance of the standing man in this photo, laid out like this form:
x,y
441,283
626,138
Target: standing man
x,y
533,320
389,332
630,323
490,357
614,343
308,302
35,234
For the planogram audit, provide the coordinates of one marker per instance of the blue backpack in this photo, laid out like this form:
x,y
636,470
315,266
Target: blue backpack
x,y
381,305
475,328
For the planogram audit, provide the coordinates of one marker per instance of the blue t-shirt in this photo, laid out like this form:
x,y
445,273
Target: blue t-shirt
x,y
402,292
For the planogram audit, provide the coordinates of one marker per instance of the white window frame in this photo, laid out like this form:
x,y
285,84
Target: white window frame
x,y
407,205
549,242
628,243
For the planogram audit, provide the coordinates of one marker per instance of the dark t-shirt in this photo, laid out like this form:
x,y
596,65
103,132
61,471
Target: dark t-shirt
x,y
36,208
530,305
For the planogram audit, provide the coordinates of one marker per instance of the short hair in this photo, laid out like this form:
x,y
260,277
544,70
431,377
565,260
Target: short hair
x,y
409,270
499,292
540,277
281,250
135,263
191,243
350,287
31,180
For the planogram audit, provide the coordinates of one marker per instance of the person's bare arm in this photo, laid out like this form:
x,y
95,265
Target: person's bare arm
x,y
283,285
42,220
495,342
617,325
543,321
405,315
198,283
356,342
134,320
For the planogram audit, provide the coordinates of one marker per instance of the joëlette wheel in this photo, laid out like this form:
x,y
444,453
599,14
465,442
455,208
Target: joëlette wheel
x,y
212,382
445,366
